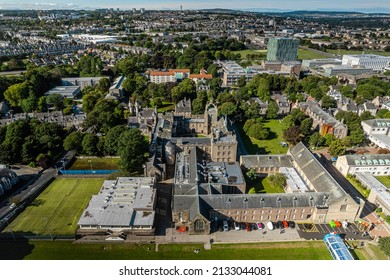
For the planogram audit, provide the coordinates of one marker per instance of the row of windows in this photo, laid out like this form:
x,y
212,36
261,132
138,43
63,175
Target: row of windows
x,y
265,217
268,211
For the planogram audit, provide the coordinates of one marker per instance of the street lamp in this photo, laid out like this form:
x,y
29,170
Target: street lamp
x,y
51,236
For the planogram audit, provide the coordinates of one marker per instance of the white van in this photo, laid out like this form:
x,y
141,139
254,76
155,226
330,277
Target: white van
x,y
270,225
225,225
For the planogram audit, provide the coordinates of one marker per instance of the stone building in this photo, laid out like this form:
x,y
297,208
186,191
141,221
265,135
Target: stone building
x,y
198,202
322,120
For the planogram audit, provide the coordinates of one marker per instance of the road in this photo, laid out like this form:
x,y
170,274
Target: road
x,y
27,192
7,73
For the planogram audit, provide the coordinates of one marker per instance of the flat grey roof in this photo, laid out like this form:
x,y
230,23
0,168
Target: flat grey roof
x,y
119,201
293,179
383,193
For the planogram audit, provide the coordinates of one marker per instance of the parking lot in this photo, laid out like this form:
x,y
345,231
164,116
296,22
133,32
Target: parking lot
x,y
317,231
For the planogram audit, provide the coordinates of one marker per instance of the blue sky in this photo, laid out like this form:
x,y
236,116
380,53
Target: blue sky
x,y
341,5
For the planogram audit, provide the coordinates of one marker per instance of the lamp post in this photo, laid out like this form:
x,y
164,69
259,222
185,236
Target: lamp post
x,y
90,163
51,236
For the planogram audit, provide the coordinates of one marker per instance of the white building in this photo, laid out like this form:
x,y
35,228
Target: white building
x,y
170,76
125,205
378,165
378,131
379,193
68,92
371,61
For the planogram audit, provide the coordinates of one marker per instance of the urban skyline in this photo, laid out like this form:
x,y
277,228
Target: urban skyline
x,y
279,5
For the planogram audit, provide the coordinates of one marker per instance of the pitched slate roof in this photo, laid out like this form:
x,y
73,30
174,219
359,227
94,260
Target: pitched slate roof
x,y
315,173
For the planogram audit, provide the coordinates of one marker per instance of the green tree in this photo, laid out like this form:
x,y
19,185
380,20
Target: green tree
x,y
199,103
104,85
73,142
252,191
287,122
278,180
306,126
16,93
328,102
251,174
316,140
132,148
89,144
57,100
228,109
272,110
258,131
381,113
112,139
337,148
293,135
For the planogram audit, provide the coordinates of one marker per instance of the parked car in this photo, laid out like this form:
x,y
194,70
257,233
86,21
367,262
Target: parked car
x,y
253,226
242,226
280,224
248,227
291,224
285,223
237,226
260,225
270,225
225,225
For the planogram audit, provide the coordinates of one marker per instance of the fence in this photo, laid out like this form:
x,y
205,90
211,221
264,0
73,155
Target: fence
x,y
87,172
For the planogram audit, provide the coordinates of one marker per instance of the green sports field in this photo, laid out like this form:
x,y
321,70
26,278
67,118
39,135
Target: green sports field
x,y
65,250
57,209
96,163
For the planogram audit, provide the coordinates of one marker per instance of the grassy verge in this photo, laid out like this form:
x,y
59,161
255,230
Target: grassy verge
x,y
358,186
244,53
41,250
385,180
308,54
57,209
342,52
368,252
167,106
95,163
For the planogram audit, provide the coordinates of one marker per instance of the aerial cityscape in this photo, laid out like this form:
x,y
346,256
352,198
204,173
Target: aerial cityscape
x,y
188,130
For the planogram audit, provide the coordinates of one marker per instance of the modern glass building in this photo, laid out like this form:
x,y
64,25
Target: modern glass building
x,y
282,49
336,247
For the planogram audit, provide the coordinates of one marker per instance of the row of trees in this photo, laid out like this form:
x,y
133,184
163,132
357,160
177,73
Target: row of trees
x,y
120,140
30,141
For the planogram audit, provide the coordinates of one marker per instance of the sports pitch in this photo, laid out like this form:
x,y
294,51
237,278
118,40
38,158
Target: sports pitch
x,y
57,209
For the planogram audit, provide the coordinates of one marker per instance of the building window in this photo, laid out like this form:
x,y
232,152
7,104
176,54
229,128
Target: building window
x,y
343,208
199,225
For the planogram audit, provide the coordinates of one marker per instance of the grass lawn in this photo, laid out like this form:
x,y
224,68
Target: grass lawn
x,y
269,146
341,52
244,53
97,163
368,252
358,186
58,208
308,54
167,106
263,186
385,180
302,54
64,250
